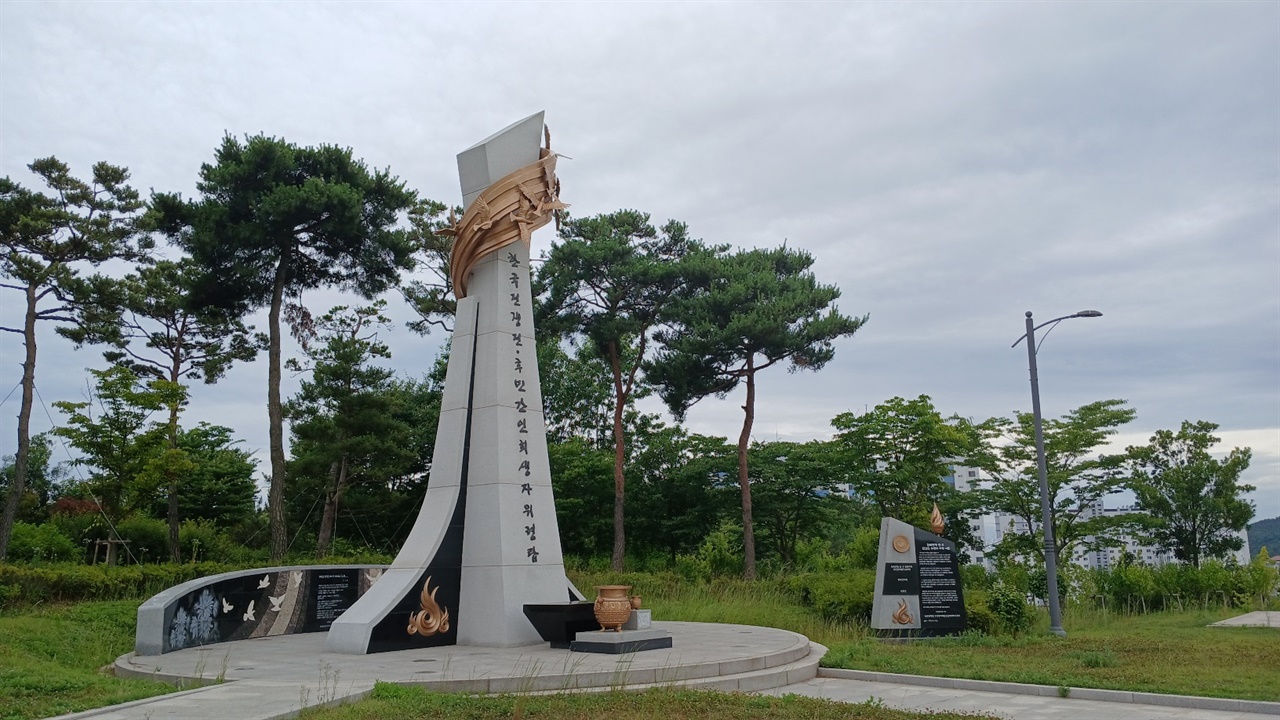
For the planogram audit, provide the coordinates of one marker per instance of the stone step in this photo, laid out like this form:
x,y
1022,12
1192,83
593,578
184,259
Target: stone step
x,y
801,669
271,678
537,679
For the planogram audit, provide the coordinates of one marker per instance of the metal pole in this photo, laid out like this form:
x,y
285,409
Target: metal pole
x,y
1046,511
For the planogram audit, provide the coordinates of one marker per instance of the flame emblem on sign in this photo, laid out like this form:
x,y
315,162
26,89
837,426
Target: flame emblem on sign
x,y
432,618
902,616
935,521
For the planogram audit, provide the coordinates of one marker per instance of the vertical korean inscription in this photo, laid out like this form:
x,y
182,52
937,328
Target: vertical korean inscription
x,y
519,390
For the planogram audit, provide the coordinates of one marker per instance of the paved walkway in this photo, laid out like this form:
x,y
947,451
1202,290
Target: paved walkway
x,y
272,678
1257,618
1002,705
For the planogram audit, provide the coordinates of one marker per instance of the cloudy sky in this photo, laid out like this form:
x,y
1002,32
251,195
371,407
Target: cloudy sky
x,y
950,165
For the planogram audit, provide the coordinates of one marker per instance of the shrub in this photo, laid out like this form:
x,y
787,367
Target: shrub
x,y
40,543
81,528
978,616
864,550
975,577
1013,576
253,532
1038,584
845,597
1132,587
200,540
1259,578
1010,609
147,538
719,555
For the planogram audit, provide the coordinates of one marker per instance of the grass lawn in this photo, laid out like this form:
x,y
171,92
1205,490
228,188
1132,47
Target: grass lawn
x,y
392,702
1163,652
1159,652
50,659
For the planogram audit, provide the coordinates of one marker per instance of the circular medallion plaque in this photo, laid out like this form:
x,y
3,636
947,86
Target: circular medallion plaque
x,y
901,543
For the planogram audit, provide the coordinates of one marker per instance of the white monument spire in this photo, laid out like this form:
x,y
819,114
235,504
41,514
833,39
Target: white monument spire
x,y
486,541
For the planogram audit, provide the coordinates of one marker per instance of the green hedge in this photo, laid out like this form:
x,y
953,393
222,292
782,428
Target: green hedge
x,y
22,584
73,582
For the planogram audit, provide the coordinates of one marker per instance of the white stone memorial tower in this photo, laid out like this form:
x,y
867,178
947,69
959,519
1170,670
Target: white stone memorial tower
x,y
486,541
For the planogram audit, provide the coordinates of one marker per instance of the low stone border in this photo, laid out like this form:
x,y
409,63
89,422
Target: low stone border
x,y
1123,696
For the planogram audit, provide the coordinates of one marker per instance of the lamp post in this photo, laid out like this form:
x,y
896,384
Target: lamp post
x,y
1046,503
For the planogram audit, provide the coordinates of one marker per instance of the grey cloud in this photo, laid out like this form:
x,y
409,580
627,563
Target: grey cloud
x,y
949,165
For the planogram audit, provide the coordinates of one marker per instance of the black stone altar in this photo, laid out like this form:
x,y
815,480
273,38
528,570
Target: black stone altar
x,y
559,623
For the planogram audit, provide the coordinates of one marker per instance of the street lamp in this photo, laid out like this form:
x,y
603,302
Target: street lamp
x,y
1046,511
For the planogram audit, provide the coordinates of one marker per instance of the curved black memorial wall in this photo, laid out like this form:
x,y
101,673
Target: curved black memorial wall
x,y
250,603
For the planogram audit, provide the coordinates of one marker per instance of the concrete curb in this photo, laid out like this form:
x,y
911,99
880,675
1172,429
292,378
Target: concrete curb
x,y
1121,696
79,715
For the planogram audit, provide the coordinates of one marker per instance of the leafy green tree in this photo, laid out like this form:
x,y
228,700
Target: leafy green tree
x,y
749,312
896,455
45,480
1193,499
218,485
416,404
273,220
577,396
1079,477
677,484
46,242
432,299
580,475
161,333
794,494
343,427
378,507
116,438
606,282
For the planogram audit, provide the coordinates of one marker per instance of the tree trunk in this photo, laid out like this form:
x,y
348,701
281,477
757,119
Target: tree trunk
x,y
175,549
24,426
619,455
275,432
1195,544
748,531
329,520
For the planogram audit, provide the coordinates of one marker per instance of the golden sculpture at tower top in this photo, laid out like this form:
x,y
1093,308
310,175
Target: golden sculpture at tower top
x,y
508,210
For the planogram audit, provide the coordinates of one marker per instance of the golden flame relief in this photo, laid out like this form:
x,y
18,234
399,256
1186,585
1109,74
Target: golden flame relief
x,y
902,616
432,619
935,521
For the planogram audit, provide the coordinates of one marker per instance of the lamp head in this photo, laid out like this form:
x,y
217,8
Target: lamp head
x,y
1088,313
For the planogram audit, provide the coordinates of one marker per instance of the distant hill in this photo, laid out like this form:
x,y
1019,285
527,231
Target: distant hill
x,y
1265,532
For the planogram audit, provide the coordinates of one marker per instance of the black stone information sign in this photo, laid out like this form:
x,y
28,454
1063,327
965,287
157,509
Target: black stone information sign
x,y
941,598
901,579
332,592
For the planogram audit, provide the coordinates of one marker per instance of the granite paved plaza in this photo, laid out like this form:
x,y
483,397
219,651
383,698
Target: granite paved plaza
x,y
273,677
268,678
